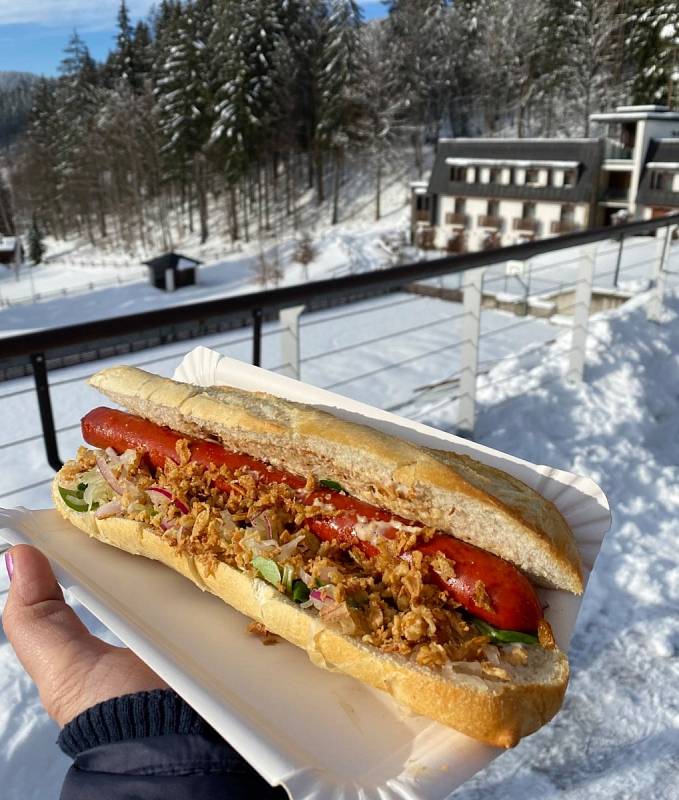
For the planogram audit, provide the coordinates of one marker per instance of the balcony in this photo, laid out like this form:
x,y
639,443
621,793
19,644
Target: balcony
x,y
564,226
422,215
529,224
616,194
488,221
617,151
455,218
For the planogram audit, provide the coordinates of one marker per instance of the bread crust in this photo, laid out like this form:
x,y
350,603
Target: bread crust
x,y
498,713
444,490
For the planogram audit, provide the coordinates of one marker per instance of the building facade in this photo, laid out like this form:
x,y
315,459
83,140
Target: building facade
x,y
486,193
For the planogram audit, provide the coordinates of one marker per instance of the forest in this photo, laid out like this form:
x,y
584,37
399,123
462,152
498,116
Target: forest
x,y
223,114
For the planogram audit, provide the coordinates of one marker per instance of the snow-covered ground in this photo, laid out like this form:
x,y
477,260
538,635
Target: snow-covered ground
x,y
617,734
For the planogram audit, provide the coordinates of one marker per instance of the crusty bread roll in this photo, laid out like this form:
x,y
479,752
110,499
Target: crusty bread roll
x,y
447,491
498,712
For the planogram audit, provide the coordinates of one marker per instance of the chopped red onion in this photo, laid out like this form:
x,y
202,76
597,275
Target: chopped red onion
x,y
160,497
107,474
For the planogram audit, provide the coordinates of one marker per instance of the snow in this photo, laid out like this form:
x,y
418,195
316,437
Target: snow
x,y
616,736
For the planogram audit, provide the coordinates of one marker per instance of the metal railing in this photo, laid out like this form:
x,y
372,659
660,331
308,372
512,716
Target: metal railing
x,y
288,302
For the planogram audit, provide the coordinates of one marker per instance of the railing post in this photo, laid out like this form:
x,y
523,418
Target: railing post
x,y
583,300
290,344
655,304
472,291
257,337
618,261
42,390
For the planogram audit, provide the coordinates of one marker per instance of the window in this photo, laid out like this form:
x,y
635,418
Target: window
x,y
532,177
529,211
422,202
512,176
662,181
473,175
458,174
550,178
459,205
569,178
494,175
568,214
493,208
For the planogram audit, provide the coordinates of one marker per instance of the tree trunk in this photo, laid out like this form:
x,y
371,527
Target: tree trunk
x,y
288,204
244,191
201,195
378,187
336,187
267,216
233,203
320,191
259,198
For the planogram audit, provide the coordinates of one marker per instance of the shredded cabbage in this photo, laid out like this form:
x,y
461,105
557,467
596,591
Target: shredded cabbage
x,y
97,490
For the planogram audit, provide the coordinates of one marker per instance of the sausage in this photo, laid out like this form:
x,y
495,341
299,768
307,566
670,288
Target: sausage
x,y
484,584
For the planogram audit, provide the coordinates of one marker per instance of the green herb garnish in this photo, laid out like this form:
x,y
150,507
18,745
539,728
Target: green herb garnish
x,y
504,637
336,487
288,575
73,498
268,569
300,592
82,487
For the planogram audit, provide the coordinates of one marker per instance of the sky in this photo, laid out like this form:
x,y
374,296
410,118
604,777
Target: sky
x,y
33,33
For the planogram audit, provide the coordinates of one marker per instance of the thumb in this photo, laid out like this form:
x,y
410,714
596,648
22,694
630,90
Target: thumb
x,y
44,631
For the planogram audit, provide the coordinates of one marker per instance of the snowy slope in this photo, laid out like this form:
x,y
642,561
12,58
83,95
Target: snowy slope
x,y
617,734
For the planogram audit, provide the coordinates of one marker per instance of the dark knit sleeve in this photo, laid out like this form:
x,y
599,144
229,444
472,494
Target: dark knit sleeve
x,y
153,745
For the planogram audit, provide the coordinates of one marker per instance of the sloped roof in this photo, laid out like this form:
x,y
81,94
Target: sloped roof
x,y
170,261
663,152
8,244
586,153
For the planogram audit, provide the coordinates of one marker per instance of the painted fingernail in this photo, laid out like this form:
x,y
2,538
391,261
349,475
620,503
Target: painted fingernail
x,y
9,563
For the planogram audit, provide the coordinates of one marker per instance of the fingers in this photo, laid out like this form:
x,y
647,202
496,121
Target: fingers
x,y
72,669
41,628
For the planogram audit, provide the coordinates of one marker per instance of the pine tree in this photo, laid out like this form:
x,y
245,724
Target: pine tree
x,y
653,41
382,106
183,89
336,84
124,56
592,49
36,247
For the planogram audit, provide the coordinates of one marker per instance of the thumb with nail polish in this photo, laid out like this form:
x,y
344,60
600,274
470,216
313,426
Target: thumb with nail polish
x,y
72,669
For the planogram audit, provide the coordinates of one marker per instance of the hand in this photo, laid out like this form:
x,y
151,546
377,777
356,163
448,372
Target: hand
x,y
72,669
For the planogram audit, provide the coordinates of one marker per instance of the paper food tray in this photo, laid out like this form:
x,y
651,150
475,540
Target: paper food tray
x,y
319,734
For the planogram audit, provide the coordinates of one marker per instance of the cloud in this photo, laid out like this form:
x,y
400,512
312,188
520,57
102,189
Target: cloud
x,y
80,14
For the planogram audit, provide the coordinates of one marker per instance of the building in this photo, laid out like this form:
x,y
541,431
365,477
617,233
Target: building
x,y
11,251
172,271
486,193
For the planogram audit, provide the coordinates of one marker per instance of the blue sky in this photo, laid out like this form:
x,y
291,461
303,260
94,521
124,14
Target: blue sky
x,y
33,33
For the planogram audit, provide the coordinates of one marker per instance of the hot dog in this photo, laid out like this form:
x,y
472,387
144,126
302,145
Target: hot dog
x,y
412,563
513,603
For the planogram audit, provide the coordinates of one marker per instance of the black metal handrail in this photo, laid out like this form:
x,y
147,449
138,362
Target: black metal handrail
x,y
33,346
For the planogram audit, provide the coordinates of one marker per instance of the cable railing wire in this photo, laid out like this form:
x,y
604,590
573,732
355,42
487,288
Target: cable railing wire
x,y
392,335
387,367
310,322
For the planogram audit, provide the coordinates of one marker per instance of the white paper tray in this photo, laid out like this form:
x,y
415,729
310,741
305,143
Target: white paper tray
x,y
321,735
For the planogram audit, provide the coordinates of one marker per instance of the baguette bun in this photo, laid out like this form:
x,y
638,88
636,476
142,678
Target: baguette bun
x,y
498,712
447,491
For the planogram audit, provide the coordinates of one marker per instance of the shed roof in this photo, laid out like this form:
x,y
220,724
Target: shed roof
x,y
170,261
